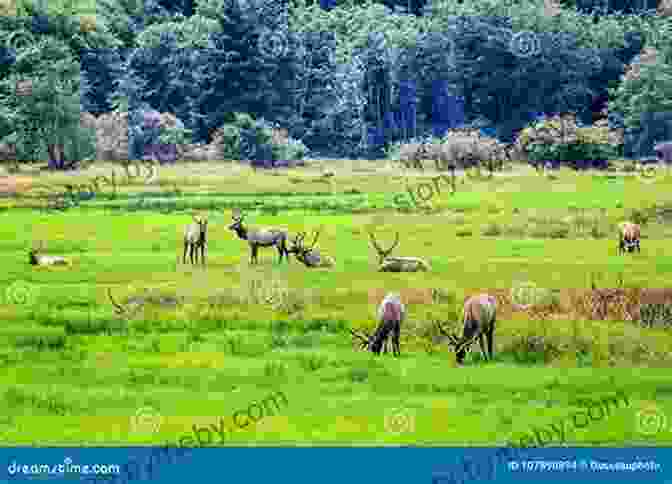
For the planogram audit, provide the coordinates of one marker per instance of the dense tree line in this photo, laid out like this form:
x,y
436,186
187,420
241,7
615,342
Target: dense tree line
x,y
391,79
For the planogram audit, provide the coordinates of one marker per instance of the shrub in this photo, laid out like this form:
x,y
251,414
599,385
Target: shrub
x,y
249,139
559,138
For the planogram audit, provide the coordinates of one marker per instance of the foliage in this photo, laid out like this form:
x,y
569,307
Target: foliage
x,y
562,140
50,115
645,103
100,69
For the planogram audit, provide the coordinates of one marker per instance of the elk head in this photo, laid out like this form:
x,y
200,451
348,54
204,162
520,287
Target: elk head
x,y
299,249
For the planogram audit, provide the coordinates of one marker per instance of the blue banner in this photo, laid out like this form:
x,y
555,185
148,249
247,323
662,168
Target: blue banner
x,y
391,465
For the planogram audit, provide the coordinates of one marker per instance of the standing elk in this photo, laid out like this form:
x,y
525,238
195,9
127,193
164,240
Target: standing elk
x,y
397,264
479,317
629,235
266,237
195,238
309,256
37,259
391,313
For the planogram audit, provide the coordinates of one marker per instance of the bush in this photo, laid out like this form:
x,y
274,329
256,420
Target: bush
x,y
249,139
545,140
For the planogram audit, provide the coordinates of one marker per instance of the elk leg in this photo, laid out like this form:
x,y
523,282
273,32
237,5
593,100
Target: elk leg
x,y
397,347
481,342
191,253
491,339
253,258
184,255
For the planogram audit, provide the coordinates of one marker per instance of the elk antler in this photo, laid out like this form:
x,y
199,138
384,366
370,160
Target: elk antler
x,y
383,253
237,215
364,339
298,240
118,308
453,338
317,235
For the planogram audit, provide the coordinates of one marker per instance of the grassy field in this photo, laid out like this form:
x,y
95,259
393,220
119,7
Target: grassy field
x,y
199,344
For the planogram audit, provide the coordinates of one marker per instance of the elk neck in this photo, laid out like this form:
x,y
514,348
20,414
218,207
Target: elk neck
x,y
241,232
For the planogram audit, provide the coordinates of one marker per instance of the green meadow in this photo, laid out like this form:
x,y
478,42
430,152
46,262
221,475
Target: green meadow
x,y
191,345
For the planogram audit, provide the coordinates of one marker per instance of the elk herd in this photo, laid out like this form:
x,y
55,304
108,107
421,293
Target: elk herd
x,y
478,316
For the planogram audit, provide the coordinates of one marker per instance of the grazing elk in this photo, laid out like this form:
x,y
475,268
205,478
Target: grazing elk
x,y
391,313
309,256
479,316
195,238
629,235
267,237
397,264
37,259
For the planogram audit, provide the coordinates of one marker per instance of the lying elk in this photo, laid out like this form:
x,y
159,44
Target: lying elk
x,y
309,256
195,238
479,316
391,313
629,235
37,259
267,237
397,264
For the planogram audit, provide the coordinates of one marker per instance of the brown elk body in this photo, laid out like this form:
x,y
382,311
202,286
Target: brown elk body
x,y
479,316
267,237
195,239
391,313
629,234
36,258
397,264
310,256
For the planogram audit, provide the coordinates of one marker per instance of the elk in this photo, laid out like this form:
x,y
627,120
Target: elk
x,y
479,317
629,234
309,256
391,313
266,237
195,238
397,264
37,259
